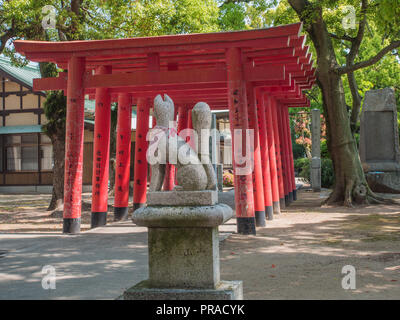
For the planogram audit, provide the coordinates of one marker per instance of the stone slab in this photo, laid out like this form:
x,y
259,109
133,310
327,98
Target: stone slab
x,y
379,139
182,216
184,257
182,198
226,290
384,182
385,166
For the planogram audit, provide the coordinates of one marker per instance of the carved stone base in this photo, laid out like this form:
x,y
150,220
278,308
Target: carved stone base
x,y
384,182
226,290
184,253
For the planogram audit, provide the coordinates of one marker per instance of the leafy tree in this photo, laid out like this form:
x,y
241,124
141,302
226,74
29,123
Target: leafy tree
x,y
302,131
326,31
94,19
349,62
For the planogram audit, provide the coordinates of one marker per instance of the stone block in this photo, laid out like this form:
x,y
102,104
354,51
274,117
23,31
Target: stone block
x,y
384,182
379,139
184,257
183,246
182,198
193,217
226,290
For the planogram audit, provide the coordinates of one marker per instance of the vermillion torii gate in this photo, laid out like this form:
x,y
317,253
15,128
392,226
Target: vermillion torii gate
x,y
258,74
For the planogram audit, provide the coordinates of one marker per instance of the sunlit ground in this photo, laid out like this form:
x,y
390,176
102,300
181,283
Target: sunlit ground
x,y
298,255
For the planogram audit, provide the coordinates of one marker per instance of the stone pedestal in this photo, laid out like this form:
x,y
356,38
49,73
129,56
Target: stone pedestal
x,y
384,182
183,248
220,177
315,172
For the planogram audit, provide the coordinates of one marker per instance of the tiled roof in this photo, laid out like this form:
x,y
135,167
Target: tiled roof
x,y
25,74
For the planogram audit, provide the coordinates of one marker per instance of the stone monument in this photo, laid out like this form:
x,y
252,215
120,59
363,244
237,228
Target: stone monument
x,y
182,224
379,141
315,171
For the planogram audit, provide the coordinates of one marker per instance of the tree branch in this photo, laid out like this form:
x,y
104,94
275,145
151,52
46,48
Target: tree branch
x,y
355,48
371,61
343,37
298,5
5,37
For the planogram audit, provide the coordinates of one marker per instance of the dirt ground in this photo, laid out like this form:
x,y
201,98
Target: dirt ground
x,y
27,213
298,255
301,253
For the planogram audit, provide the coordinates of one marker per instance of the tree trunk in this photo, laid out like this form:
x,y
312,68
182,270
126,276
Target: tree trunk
x,y
57,199
350,183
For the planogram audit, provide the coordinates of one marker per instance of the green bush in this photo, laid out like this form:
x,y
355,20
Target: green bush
x,y
324,150
302,166
327,173
299,164
298,150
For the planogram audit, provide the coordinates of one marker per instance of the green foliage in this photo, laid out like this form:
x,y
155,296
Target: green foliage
x,y
232,17
300,163
123,19
98,19
327,173
298,150
302,166
324,150
383,25
55,111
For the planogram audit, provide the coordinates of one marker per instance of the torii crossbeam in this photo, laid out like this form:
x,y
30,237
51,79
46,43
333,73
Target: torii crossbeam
x,y
257,74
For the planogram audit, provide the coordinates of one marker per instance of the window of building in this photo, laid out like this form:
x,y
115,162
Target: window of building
x,y
23,152
1,154
46,154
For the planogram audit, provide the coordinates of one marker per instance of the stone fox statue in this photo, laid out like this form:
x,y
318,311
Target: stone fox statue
x,y
166,146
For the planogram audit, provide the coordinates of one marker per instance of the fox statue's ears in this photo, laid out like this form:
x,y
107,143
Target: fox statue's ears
x,y
168,99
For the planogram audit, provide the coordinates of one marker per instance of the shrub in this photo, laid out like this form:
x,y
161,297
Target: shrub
x,y
298,150
327,173
299,164
324,150
228,179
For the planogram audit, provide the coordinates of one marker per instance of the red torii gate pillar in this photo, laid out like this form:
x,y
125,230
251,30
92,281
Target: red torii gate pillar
x,y
244,201
182,122
273,110
123,155
290,153
265,161
267,111
169,179
74,146
258,186
189,125
101,153
286,132
182,118
140,169
284,154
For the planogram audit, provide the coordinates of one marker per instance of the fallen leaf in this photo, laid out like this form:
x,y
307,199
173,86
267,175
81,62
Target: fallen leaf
x,y
393,268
